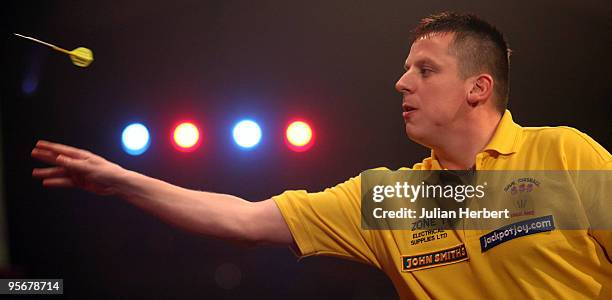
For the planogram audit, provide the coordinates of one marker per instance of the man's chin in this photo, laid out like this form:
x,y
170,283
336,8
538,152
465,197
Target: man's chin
x,y
412,134
416,136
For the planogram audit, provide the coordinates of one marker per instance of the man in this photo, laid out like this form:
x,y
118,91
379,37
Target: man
x,y
455,91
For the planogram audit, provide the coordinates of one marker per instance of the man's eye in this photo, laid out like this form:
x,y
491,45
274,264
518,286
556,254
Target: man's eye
x,y
426,72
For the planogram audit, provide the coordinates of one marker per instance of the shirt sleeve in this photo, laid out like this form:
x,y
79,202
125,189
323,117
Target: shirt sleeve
x,y
584,154
600,210
328,222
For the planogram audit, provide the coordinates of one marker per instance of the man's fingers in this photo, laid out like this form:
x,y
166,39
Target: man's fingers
x,y
44,155
63,149
58,182
63,161
78,165
49,172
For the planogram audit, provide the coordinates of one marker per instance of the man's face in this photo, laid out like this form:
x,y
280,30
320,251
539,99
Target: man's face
x,y
434,95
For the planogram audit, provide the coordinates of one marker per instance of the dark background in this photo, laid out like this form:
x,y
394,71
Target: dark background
x,y
333,62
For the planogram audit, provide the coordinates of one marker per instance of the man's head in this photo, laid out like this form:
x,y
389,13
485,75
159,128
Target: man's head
x,y
457,64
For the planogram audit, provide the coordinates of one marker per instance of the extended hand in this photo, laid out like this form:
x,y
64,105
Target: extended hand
x,y
75,168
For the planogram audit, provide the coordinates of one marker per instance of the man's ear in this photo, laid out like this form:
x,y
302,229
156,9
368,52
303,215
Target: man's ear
x,y
481,90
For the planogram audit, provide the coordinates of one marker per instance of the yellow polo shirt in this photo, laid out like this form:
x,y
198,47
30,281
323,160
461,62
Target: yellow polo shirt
x,y
570,264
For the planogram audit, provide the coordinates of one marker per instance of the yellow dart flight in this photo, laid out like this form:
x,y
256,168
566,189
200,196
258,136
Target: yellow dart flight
x,y
81,56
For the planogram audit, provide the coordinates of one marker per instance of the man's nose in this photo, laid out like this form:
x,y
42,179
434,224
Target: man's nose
x,y
404,84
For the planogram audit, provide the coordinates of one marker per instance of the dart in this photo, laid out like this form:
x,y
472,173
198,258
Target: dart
x,y
81,56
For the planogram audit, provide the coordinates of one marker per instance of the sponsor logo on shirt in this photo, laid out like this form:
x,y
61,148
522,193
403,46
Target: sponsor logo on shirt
x,y
426,236
520,190
434,259
432,223
516,230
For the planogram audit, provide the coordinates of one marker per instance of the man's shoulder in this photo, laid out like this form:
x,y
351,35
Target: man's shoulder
x,y
563,136
554,131
566,140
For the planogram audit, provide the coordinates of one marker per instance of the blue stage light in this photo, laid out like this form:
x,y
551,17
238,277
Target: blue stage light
x,y
247,134
135,139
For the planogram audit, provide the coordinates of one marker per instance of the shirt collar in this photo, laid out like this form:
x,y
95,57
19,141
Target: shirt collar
x,y
505,141
506,137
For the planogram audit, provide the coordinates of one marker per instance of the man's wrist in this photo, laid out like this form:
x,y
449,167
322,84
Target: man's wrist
x,y
123,183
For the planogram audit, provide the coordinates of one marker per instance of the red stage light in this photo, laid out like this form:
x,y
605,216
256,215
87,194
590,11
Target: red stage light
x,y
186,137
299,136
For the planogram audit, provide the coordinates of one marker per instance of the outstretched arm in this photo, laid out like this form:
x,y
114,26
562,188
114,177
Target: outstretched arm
x,y
211,214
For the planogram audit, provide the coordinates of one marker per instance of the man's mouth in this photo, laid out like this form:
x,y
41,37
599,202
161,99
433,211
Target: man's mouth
x,y
408,109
